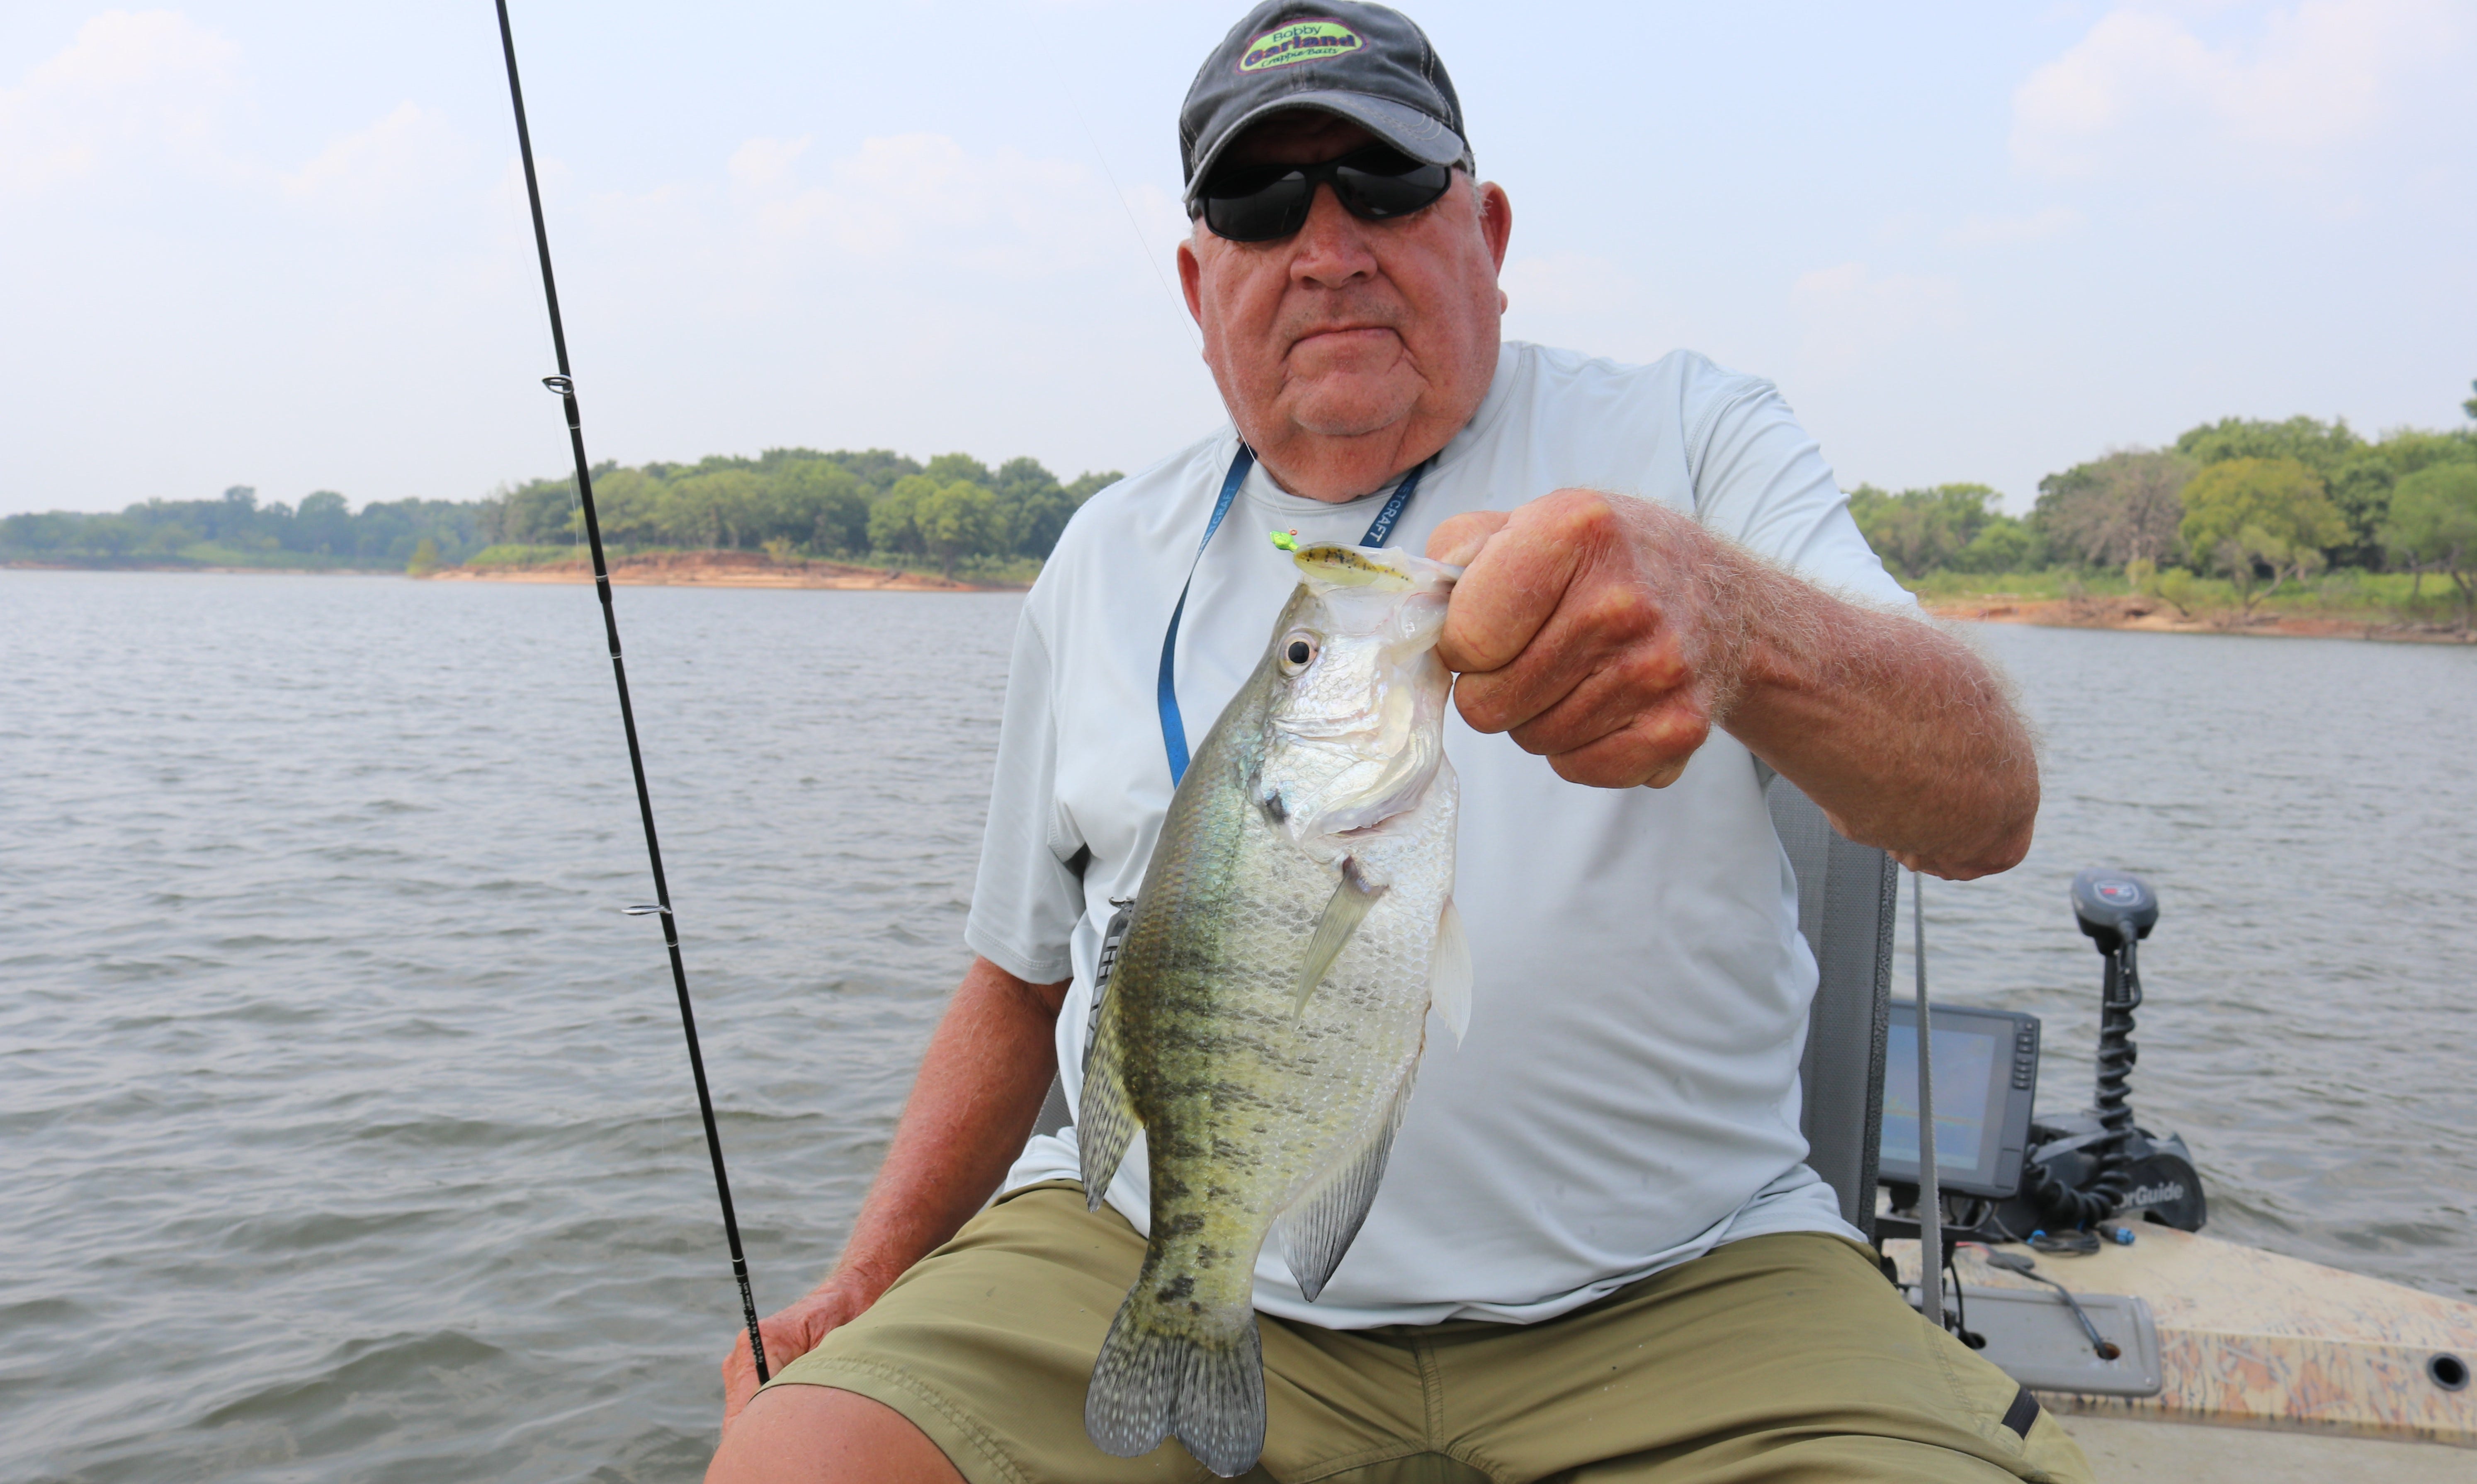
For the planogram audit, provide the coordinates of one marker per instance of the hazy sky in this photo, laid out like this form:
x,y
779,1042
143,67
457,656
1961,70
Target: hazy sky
x,y
282,244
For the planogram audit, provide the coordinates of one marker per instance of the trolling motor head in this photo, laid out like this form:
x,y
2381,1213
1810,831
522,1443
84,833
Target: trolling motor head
x,y
2114,907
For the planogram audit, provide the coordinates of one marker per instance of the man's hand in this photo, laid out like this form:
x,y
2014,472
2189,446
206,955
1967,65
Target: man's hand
x,y
1601,632
794,1332
1610,635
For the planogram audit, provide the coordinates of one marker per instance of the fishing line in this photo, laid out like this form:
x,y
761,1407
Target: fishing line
x,y
1144,243
1930,1197
564,385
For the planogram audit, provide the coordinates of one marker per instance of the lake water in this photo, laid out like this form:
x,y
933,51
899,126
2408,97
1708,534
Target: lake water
x,y
344,1126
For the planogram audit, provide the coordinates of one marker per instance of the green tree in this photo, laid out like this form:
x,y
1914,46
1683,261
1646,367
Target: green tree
x,y
2319,446
324,524
538,512
947,468
961,520
1033,506
2122,507
878,469
2244,514
824,504
112,535
1921,529
2355,476
425,558
2433,528
2003,544
718,508
891,526
629,503
2180,589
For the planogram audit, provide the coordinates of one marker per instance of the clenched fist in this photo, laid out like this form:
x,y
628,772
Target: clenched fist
x,y
1605,633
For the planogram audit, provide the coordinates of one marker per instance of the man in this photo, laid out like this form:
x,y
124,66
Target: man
x,y
1597,1254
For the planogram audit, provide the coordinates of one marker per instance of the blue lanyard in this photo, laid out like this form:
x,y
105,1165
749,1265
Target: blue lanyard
x,y
1166,690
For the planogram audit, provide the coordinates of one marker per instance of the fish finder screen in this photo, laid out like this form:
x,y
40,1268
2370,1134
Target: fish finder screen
x,y
1966,1063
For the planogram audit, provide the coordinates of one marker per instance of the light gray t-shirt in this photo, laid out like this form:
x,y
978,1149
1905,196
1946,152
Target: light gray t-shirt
x,y
1627,1095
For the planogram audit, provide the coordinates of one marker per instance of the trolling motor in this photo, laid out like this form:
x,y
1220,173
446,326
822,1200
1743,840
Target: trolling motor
x,y
2083,1168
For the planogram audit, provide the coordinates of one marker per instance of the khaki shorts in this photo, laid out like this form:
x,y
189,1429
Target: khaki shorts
x,y
1776,1358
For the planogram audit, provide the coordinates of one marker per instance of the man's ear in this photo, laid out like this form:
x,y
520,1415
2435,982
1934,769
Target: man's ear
x,y
1190,278
1495,220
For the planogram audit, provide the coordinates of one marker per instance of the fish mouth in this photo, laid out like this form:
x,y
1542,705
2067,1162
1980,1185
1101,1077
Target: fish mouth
x,y
1358,787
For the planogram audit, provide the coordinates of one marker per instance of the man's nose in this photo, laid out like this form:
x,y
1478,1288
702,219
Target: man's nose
x,y
1332,249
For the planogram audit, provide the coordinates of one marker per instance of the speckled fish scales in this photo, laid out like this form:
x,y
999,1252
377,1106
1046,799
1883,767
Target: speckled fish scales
x,y
1258,1036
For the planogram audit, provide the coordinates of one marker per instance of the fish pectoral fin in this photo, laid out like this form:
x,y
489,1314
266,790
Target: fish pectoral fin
x,y
1319,1227
1344,912
1104,1123
1449,971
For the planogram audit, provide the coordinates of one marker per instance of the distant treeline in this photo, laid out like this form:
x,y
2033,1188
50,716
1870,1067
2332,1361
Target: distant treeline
x,y
786,500
237,530
2260,503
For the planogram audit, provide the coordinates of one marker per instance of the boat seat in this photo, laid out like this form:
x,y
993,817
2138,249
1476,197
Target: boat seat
x,y
1845,894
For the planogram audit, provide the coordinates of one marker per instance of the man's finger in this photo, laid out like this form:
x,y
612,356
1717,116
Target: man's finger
x,y
1651,754
1517,578
1620,692
738,1381
1601,631
1459,540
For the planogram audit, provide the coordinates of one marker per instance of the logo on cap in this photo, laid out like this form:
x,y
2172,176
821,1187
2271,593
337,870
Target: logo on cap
x,y
1303,40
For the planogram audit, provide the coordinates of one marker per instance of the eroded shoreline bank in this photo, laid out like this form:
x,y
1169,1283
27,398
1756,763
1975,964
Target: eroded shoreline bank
x,y
2148,615
724,569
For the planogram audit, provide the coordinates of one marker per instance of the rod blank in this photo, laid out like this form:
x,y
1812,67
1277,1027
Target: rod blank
x,y
564,385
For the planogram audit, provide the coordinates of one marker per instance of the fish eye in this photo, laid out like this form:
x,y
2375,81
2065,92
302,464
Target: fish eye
x,y
1299,652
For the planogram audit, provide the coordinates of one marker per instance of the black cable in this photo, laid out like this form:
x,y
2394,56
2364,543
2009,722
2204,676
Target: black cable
x,y
1961,1329
2098,1195
2101,1346
564,385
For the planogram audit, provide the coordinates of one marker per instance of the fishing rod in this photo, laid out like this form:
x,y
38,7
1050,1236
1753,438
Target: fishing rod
x,y
564,385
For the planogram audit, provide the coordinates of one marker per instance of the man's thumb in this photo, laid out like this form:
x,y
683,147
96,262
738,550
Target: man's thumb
x,y
1456,542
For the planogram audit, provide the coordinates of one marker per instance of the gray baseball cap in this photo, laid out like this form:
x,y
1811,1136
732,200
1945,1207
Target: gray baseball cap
x,y
1364,62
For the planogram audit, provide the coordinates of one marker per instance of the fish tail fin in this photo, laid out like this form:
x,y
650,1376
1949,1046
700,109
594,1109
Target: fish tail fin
x,y
1163,1373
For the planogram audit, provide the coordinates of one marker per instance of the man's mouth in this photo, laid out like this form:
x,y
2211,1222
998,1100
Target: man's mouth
x,y
1337,336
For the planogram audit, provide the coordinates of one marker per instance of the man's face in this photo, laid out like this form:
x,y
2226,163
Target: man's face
x,y
1352,350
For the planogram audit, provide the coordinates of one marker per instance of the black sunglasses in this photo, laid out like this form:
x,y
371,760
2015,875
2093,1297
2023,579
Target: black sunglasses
x,y
1267,202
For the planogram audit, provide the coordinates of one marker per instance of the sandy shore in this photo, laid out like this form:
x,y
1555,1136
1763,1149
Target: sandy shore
x,y
2155,617
723,569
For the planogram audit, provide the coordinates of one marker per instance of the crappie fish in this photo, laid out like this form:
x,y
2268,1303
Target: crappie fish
x,y
1264,1015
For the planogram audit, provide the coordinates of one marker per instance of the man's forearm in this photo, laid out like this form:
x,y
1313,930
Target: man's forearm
x,y
981,1085
1904,736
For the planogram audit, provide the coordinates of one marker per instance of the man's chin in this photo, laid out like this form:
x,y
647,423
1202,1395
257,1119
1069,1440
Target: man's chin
x,y
1350,407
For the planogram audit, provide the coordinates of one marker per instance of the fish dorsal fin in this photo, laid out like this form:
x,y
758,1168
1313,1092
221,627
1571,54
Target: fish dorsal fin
x,y
1344,912
1104,1123
1449,971
1319,1227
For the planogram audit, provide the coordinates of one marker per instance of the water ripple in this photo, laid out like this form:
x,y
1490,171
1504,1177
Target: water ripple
x,y
344,1120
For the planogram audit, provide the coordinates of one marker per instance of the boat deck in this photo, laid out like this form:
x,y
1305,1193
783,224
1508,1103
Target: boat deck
x,y
2252,1340
2126,1451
